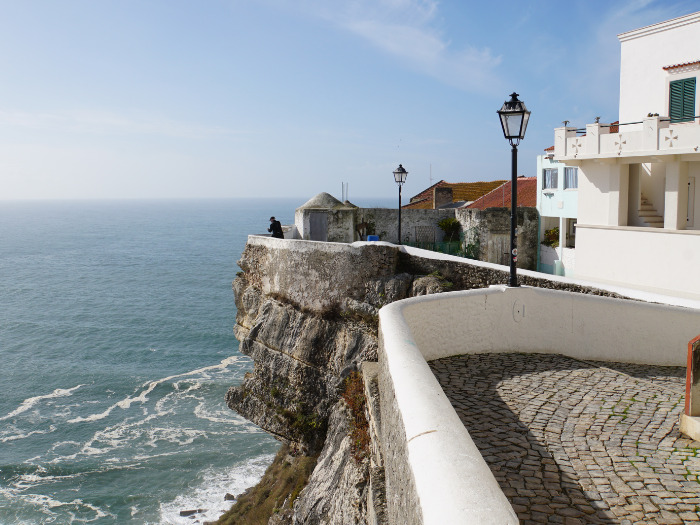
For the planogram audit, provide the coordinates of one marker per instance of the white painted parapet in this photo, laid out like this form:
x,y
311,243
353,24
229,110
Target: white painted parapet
x,y
434,472
651,137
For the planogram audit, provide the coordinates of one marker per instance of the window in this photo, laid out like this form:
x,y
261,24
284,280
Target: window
x,y
570,178
549,178
681,105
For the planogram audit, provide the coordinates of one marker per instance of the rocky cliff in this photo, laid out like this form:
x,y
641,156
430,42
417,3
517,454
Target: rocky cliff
x,y
307,316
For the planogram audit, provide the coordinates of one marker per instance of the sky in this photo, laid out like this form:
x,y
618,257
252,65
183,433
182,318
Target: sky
x,y
144,99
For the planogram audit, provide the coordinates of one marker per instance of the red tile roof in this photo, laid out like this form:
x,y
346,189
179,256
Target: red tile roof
x,y
500,197
550,148
678,66
461,191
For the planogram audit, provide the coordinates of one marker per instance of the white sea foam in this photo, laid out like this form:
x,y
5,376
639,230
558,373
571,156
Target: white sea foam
x,y
48,503
150,386
29,403
210,493
219,416
15,437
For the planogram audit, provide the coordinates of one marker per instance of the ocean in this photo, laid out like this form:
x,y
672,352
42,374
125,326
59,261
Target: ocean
x,y
117,349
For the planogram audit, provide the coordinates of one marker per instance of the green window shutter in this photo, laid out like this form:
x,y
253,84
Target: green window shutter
x,y
682,100
689,98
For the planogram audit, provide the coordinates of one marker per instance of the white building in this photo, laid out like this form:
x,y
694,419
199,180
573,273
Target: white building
x,y
557,204
638,200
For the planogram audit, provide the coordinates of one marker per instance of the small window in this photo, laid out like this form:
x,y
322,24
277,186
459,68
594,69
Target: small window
x,y
570,178
681,105
549,178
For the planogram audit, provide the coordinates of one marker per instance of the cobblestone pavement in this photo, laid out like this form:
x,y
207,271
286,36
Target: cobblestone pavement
x,y
572,442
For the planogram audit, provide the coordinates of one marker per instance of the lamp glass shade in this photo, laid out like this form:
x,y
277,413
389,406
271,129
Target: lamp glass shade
x,y
400,175
514,118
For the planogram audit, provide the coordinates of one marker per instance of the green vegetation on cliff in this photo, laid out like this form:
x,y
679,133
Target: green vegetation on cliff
x,y
276,492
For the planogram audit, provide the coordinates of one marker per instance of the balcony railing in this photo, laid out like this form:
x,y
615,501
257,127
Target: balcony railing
x,y
650,137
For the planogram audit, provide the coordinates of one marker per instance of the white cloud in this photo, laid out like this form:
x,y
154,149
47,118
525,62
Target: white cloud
x,y
408,30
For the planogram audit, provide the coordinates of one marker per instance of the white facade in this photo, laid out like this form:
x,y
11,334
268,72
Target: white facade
x,y
645,53
639,183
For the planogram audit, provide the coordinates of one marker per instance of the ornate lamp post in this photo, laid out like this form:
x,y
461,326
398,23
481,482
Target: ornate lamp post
x,y
514,117
400,177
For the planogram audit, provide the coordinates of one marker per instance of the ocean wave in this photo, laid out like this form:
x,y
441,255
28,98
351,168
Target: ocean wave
x,y
149,386
31,402
209,494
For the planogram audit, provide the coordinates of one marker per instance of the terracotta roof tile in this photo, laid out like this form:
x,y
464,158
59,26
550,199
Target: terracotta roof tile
x,y
461,191
550,148
678,66
500,197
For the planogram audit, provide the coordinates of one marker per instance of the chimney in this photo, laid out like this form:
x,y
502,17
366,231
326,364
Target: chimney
x,y
441,196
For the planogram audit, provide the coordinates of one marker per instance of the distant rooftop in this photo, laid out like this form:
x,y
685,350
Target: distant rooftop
x,y
462,192
500,197
325,201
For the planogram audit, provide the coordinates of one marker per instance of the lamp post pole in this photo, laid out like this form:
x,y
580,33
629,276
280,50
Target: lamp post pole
x,y
514,118
513,217
400,177
400,186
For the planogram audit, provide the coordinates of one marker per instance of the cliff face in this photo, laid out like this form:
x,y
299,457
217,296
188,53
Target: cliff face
x,y
308,318
307,323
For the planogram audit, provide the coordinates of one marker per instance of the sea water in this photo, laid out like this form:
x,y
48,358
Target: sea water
x,y
116,351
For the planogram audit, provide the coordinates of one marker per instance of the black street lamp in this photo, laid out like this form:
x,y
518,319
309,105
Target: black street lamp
x,y
514,117
400,177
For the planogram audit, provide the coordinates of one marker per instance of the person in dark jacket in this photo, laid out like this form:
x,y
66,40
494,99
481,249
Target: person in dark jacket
x,y
275,228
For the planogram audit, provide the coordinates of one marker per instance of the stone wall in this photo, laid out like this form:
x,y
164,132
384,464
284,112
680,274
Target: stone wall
x,y
386,222
490,230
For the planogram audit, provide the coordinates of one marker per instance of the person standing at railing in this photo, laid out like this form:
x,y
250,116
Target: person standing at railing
x,y
276,228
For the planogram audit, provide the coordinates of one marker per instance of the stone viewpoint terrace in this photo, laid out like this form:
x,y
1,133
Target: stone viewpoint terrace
x,y
525,405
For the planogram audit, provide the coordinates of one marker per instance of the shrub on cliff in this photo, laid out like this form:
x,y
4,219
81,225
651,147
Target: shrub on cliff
x,y
354,396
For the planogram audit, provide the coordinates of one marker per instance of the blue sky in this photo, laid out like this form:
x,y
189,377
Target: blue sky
x,y
216,98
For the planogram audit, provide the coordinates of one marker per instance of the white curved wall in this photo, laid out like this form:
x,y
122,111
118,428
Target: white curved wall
x,y
435,474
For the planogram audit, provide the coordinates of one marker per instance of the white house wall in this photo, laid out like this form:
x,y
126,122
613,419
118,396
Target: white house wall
x,y
644,53
652,259
605,184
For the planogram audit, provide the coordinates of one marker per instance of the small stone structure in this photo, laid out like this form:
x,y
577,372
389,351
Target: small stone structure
x,y
325,218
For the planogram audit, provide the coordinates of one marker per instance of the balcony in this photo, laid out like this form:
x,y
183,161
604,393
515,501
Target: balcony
x,y
646,141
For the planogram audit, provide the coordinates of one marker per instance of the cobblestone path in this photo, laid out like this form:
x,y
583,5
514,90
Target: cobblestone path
x,y
573,442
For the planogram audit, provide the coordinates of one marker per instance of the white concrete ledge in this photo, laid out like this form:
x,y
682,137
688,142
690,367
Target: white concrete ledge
x,y
452,482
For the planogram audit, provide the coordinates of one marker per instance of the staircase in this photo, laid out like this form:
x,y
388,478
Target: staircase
x,y
648,214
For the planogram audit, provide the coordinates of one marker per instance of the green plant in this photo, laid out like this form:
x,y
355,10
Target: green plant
x,y
354,396
551,238
276,491
472,244
451,227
